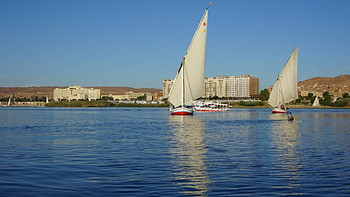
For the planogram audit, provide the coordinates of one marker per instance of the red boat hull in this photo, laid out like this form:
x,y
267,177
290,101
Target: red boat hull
x,y
181,111
279,110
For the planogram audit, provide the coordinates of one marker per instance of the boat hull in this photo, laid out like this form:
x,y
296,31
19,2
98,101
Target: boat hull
x,y
279,110
181,111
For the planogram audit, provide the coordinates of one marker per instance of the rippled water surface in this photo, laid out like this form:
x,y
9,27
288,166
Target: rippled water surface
x,y
147,152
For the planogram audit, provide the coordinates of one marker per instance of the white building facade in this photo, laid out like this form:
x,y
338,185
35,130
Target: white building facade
x,y
215,86
76,93
132,96
240,87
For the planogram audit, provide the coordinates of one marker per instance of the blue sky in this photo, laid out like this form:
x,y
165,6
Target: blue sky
x,y
138,43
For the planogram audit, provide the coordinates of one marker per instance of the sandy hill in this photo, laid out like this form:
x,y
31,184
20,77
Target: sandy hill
x,y
334,85
28,92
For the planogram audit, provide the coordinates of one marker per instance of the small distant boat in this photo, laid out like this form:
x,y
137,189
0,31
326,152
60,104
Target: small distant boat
x,y
210,106
316,102
9,102
285,88
189,81
290,117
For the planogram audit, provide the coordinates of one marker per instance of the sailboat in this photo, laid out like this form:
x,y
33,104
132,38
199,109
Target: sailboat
x,y
285,88
9,102
189,81
316,102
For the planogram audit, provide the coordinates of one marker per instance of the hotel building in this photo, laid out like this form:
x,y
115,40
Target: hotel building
x,y
76,93
132,96
236,87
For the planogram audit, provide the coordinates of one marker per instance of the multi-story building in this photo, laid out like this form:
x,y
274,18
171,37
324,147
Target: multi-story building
x,y
157,96
221,87
210,87
76,93
238,86
130,96
215,86
243,86
167,84
254,87
133,96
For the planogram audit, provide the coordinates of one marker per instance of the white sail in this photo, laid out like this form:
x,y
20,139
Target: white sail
x,y
9,102
316,102
176,92
285,88
192,70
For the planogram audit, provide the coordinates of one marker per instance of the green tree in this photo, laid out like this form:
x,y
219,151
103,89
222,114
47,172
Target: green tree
x,y
325,94
312,100
327,99
340,103
35,98
142,98
251,103
264,94
297,101
106,98
346,95
310,96
215,97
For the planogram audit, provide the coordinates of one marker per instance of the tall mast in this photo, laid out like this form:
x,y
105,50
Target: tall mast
x,y
183,82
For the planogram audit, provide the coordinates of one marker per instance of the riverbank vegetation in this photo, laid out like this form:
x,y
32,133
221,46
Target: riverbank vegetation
x,y
325,100
24,99
99,103
248,104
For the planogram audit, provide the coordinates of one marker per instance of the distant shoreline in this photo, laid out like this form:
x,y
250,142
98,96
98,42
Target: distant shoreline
x,y
100,103
135,105
297,107
105,103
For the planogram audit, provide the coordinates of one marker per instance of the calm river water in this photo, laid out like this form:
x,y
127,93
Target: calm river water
x,y
147,152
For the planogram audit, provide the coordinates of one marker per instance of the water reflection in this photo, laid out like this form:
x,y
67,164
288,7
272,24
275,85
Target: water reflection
x,y
189,152
286,141
331,121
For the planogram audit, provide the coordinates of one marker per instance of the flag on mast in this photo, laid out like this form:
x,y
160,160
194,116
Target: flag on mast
x,y
209,4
